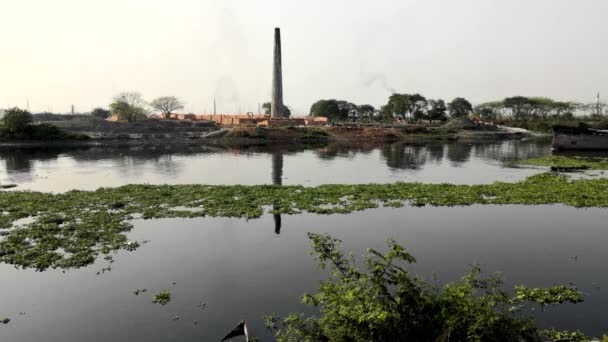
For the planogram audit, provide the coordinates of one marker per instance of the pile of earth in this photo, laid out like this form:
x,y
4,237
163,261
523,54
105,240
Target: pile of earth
x,y
460,123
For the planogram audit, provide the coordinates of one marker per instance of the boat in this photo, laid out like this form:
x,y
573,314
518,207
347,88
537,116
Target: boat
x,y
579,138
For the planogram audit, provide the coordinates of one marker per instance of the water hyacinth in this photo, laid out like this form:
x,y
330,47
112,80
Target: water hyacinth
x,y
70,230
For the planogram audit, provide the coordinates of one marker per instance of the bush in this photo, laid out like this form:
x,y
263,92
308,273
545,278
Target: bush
x,y
314,134
17,125
101,113
16,120
385,302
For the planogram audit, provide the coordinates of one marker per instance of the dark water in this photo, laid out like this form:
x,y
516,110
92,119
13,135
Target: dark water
x,y
89,168
245,269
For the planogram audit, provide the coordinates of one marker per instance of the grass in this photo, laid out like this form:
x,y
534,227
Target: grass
x,y
567,162
70,230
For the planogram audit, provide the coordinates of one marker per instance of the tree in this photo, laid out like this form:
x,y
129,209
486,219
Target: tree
x,y
101,113
486,113
16,120
267,107
327,108
166,105
383,301
406,106
365,110
436,110
459,107
129,106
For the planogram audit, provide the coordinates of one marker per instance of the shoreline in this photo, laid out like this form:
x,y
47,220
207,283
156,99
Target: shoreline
x,y
276,136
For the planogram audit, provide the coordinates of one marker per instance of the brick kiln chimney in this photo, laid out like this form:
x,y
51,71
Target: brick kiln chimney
x,y
277,78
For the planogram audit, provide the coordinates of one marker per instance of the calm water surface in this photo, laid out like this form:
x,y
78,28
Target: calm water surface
x,y
89,168
245,269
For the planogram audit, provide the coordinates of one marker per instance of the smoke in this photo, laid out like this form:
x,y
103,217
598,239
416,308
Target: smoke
x,y
379,78
226,91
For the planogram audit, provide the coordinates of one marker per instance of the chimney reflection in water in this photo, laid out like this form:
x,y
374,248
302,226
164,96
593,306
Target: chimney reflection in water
x,y
277,179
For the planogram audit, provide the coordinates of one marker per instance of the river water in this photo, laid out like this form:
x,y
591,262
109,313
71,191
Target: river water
x,y
244,269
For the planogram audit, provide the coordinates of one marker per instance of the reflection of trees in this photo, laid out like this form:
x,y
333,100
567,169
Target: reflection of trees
x,y
512,150
347,149
436,151
404,156
459,153
17,161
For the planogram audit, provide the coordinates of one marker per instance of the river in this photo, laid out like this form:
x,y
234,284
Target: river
x,y
222,270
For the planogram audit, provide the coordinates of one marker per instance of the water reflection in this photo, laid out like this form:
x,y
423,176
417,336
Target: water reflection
x,y
64,168
277,179
404,156
458,154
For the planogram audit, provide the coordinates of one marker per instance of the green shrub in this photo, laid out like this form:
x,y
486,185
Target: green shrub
x,y
16,120
385,302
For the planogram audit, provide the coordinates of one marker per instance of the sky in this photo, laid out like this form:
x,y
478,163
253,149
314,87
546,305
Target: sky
x,y
62,52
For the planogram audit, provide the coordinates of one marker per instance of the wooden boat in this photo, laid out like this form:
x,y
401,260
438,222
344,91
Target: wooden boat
x,y
579,138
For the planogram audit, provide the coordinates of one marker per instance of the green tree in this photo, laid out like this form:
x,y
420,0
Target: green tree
x,y
365,111
436,110
166,105
486,113
16,120
100,113
129,106
384,302
328,108
406,106
460,107
267,107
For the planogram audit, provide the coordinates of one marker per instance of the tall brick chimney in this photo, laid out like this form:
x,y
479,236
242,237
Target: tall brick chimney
x,y
277,78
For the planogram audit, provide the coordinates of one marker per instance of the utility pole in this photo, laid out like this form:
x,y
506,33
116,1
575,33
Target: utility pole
x,y
72,109
214,108
598,105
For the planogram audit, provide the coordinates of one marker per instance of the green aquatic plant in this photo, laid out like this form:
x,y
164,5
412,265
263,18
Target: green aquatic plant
x,y
162,298
564,335
72,229
565,162
383,301
270,321
557,294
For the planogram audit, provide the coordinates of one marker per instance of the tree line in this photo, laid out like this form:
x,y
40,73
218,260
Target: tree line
x,y
416,108
413,107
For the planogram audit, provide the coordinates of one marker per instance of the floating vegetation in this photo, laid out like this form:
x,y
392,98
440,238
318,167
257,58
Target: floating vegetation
x,y
557,294
72,229
138,291
566,162
270,321
570,336
162,298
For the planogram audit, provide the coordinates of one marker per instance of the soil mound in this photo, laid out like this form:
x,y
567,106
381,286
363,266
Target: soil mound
x,y
460,123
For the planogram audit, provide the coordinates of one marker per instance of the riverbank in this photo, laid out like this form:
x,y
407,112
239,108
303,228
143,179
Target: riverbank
x,y
184,134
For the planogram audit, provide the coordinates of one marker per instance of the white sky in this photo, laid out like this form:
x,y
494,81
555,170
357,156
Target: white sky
x,y
59,52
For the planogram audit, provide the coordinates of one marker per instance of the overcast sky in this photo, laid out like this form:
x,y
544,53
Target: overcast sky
x,y
61,52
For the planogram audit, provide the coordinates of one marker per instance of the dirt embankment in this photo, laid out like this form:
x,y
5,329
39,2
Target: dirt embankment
x,y
154,131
